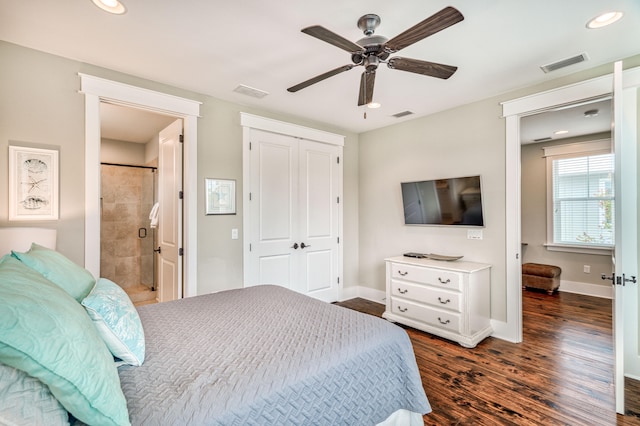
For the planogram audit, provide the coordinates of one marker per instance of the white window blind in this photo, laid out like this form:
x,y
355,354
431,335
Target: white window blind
x,y
581,197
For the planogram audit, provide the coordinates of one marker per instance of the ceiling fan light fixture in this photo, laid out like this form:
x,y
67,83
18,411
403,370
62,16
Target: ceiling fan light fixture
x,y
111,6
373,105
604,19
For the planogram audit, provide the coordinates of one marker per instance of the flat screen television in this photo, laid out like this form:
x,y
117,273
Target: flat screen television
x,y
454,201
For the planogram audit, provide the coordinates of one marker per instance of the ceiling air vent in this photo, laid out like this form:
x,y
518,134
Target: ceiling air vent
x,y
543,139
402,114
250,91
565,62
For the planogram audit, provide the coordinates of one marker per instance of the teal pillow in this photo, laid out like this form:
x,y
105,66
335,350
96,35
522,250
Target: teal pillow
x,y
48,335
116,320
58,269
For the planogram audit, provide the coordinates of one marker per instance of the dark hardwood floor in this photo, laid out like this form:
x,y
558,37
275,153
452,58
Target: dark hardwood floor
x,y
562,374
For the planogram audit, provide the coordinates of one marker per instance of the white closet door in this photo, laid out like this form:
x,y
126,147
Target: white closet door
x,y
293,214
272,209
318,219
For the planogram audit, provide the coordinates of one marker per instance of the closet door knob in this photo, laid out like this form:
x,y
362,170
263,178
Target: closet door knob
x,y
303,245
295,246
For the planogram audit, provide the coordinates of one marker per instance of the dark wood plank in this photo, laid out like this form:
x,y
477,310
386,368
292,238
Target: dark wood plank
x,y
562,374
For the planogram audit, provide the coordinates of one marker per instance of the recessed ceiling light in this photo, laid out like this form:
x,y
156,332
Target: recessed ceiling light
x,y
604,20
373,105
561,132
111,6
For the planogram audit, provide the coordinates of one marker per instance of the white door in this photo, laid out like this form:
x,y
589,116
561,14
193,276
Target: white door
x,y
627,356
319,185
293,214
170,213
272,210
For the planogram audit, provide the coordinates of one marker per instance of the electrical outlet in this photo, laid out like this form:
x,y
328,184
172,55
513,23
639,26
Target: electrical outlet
x,y
587,269
474,234
234,234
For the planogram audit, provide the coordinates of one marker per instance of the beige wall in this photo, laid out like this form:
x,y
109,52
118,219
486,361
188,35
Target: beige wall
x,y
534,219
121,152
466,140
41,104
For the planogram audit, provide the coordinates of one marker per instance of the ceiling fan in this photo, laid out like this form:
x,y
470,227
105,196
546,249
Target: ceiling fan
x,y
373,50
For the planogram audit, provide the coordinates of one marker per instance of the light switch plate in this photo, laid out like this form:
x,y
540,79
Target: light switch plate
x,y
474,234
234,234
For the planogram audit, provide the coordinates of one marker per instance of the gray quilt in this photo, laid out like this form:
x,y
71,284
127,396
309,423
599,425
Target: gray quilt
x,y
269,356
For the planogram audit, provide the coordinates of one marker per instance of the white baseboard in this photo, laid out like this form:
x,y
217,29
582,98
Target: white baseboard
x,y
367,293
605,291
631,376
502,330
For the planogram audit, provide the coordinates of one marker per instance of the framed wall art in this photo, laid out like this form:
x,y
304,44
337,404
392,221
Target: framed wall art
x,y
220,196
33,183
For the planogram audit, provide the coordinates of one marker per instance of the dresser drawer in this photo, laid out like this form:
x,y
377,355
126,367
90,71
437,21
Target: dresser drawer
x,y
436,277
429,295
436,317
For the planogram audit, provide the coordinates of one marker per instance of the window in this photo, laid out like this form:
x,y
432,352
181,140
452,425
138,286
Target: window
x,y
580,196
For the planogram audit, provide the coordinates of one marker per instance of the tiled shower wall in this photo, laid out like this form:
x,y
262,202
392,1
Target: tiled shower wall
x,y
127,198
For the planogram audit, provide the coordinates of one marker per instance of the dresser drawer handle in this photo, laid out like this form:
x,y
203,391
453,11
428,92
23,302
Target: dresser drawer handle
x,y
447,281
402,273
401,309
401,291
443,322
444,302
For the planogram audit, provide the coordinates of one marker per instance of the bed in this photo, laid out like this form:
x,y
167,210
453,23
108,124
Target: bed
x,y
262,355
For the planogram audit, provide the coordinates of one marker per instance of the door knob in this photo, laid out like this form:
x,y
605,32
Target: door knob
x,y
295,246
158,250
604,277
303,245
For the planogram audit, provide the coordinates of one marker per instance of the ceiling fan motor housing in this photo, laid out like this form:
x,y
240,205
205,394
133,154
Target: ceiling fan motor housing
x,y
372,45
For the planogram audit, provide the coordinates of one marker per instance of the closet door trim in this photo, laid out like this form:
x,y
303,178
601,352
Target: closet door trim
x,y
284,128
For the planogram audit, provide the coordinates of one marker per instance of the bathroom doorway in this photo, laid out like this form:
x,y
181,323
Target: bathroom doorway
x,y
129,156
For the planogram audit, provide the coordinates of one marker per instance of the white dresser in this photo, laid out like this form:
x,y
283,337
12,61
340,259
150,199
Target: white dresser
x,y
448,299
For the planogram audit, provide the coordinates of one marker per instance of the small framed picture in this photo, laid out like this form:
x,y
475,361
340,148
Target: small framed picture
x,y
220,196
33,183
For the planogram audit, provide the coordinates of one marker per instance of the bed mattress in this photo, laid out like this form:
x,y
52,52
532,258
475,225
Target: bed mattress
x,y
266,355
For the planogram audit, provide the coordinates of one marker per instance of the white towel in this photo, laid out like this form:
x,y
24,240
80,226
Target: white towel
x,y
153,216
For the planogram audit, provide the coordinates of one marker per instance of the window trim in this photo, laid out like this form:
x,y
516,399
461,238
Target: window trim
x,y
572,150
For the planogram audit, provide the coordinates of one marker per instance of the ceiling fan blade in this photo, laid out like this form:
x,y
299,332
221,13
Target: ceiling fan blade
x,y
330,37
366,87
319,78
437,22
431,69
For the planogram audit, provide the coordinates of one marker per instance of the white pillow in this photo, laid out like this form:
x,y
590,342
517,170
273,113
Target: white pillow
x,y
117,321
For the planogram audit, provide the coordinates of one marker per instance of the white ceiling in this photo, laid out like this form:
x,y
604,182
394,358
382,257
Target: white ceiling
x,y
128,124
539,127
211,47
